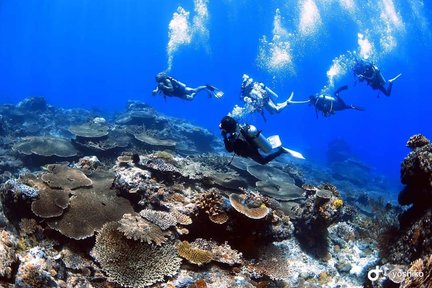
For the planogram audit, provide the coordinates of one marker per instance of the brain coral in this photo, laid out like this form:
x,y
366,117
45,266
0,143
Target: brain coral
x,y
132,263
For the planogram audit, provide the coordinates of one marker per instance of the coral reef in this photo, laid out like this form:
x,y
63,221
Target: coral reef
x,y
34,270
45,146
212,204
194,255
316,214
63,177
412,243
136,228
271,263
162,219
419,274
220,253
133,263
117,219
90,208
249,205
8,245
92,129
416,174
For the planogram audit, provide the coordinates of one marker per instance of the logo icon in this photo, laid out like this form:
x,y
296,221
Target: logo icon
x,y
374,274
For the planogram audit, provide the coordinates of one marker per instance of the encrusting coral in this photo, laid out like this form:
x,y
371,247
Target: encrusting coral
x,y
220,253
133,263
192,254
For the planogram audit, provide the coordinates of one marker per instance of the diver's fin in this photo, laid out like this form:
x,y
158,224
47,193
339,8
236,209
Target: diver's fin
x,y
293,153
358,108
394,78
210,87
290,101
291,96
214,91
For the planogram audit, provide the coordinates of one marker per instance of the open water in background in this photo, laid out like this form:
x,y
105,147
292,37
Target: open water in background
x,y
99,54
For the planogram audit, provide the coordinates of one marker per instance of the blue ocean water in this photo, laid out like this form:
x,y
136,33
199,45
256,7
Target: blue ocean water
x,y
99,54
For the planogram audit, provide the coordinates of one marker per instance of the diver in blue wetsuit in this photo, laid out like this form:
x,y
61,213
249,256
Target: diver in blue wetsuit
x,y
367,71
328,104
171,87
246,141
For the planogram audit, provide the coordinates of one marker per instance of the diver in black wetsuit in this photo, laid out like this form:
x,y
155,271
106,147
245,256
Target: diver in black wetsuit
x,y
246,141
366,70
171,87
328,104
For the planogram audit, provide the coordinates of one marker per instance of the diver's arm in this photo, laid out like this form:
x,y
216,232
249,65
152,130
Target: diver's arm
x,y
340,89
166,86
156,90
229,146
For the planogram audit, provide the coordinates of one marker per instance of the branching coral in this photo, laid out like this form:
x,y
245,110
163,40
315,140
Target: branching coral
x,y
136,228
272,263
28,226
133,263
181,218
211,203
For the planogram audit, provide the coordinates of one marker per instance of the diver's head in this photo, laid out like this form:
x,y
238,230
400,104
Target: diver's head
x,y
228,124
161,76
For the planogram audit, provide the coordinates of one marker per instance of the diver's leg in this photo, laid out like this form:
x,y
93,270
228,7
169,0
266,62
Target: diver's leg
x,y
257,157
386,91
201,88
273,108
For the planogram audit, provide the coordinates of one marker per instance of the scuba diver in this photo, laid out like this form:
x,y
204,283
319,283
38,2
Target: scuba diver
x,y
258,96
171,87
246,141
366,70
328,104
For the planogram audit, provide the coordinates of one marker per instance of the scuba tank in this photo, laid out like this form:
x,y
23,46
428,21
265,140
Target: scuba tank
x,y
258,138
